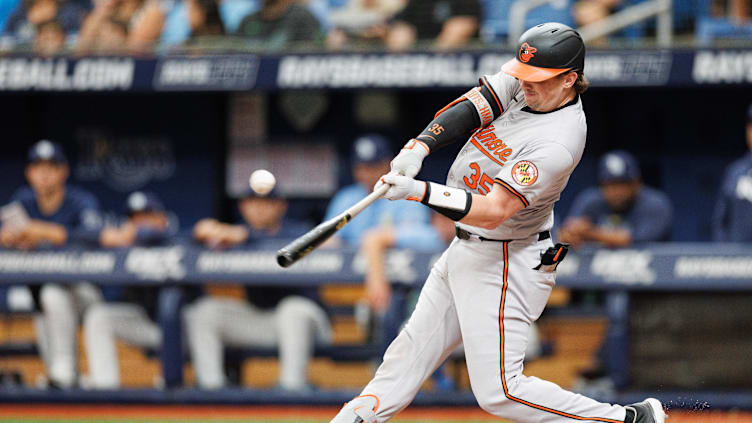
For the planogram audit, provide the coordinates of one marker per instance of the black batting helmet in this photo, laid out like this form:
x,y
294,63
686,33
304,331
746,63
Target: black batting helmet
x,y
547,50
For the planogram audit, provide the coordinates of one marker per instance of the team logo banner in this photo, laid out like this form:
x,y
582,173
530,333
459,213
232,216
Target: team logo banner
x,y
66,74
240,72
206,73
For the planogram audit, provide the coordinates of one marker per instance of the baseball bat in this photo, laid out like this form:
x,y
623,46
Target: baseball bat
x,y
304,244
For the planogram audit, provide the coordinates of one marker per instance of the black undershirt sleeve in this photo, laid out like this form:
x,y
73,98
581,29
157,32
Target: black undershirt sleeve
x,y
456,123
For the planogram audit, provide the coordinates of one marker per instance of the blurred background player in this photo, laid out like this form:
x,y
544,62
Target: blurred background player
x,y
205,21
732,218
621,210
58,214
280,24
50,38
618,213
379,227
288,317
130,312
375,245
449,23
142,20
369,158
361,21
30,17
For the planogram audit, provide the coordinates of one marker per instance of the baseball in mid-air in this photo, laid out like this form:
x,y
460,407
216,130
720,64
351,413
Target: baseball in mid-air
x,y
262,181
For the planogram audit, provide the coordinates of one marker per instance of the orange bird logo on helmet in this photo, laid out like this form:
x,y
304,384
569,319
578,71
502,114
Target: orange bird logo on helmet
x,y
527,52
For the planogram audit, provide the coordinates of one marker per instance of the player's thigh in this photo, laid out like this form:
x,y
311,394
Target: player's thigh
x,y
132,324
533,286
85,294
234,321
478,272
499,295
56,298
476,280
294,311
435,313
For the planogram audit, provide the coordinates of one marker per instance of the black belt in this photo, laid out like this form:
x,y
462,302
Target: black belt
x,y
463,234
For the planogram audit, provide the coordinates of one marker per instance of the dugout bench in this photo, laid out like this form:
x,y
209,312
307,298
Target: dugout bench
x,y
628,276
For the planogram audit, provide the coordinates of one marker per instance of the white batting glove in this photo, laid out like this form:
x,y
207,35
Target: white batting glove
x,y
381,181
410,158
403,188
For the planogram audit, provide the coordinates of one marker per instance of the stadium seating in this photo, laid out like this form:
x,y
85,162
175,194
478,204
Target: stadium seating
x,y
495,23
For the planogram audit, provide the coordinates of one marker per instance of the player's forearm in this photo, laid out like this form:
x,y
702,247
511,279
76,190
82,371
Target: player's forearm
x,y
401,36
90,27
490,211
610,237
234,234
456,123
111,237
48,232
487,211
375,244
9,238
459,119
456,32
147,28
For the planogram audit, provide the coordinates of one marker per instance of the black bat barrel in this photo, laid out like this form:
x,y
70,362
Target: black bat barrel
x,y
303,245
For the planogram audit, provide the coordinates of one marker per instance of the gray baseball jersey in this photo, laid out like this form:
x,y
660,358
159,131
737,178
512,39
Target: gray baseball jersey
x,y
486,294
529,153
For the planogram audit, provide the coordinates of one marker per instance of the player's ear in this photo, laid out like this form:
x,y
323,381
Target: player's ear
x,y
569,79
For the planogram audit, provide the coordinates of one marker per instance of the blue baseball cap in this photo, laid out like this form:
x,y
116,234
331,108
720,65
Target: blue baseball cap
x,y
618,166
139,201
370,148
47,150
749,114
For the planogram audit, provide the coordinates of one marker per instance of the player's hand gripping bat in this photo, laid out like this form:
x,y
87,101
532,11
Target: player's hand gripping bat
x,y
308,242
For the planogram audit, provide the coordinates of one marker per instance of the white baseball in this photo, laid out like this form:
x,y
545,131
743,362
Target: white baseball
x,y
262,181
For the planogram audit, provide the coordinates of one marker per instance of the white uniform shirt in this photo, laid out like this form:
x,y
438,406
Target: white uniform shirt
x,y
531,154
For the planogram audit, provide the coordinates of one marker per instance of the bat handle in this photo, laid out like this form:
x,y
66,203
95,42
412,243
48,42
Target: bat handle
x,y
368,200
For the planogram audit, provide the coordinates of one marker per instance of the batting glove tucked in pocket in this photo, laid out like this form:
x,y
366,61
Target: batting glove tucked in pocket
x,y
403,188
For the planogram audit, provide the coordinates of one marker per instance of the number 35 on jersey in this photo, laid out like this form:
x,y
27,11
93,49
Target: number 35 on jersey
x,y
478,180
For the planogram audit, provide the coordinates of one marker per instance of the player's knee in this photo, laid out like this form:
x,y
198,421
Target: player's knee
x,y
485,404
495,404
54,297
297,308
490,394
204,312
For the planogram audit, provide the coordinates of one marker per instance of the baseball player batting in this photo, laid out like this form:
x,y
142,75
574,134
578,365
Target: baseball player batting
x,y
525,131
